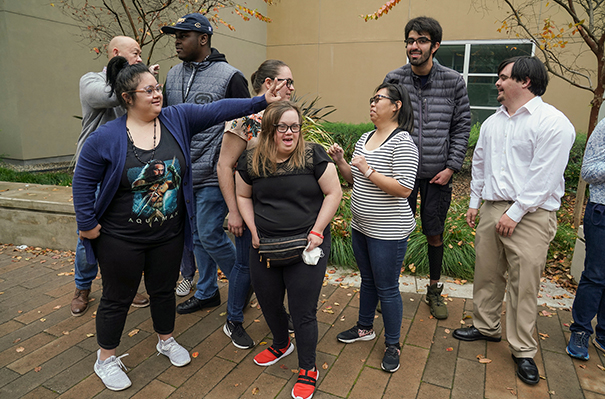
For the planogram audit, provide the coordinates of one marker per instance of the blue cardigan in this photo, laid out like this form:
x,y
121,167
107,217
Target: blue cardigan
x,y
103,156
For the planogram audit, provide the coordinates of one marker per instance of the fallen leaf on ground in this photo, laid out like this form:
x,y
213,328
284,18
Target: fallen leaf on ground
x,y
133,332
17,340
65,332
37,369
20,349
447,330
485,361
195,354
601,367
543,335
545,313
294,371
57,307
462,322
90,335
336,304
42,320
582,366
263,343
342,318
450,349
542,377
223,314
255,390
411,299
256,320
283,366
324,366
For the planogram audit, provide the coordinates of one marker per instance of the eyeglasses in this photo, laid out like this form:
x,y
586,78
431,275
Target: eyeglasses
x,y
283,128
149,89
421,40
378,97
289,82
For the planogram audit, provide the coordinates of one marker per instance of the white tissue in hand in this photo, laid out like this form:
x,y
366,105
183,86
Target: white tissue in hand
x,y
312,257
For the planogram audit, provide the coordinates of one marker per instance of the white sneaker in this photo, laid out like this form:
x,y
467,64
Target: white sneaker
x,y
110,372
184,287
178,355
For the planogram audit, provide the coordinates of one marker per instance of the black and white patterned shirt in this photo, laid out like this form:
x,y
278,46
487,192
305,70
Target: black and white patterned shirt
x,y
375,213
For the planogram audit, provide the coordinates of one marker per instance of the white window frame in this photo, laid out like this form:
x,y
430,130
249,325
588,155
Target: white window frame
x,y
467,51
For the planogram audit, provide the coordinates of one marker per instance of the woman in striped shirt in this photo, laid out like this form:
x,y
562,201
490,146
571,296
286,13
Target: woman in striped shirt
x,y
383,171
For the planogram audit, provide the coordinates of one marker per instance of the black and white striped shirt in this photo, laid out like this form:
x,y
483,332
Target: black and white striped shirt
x,y
375,213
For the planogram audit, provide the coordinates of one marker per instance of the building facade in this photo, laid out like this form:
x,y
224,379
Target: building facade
x,y
332,51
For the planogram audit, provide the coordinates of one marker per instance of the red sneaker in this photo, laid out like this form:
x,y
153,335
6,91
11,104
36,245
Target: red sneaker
x,y
271,355
305,386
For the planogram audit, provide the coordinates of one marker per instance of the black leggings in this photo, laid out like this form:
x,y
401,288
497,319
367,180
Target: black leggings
x,y
303,283
122,263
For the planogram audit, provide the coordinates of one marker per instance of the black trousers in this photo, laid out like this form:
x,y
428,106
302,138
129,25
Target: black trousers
x,y
122,263
303,283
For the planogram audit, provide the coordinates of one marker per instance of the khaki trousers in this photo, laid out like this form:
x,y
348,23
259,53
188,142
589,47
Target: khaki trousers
x,y
522,256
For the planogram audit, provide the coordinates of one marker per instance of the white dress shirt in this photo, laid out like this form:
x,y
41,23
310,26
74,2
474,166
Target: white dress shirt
x,y
522,158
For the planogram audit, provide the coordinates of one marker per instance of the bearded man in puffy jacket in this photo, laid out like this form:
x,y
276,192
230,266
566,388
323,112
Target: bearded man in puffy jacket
x,y
442,124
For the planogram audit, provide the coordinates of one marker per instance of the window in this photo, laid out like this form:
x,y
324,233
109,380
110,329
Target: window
x,y
478,62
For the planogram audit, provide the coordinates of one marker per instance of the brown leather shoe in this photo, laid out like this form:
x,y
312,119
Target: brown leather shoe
x,y
140,301
79,304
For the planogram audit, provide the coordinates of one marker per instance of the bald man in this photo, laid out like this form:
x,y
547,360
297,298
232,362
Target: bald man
x,y
100,106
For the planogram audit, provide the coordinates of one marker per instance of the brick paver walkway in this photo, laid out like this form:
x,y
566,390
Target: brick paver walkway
x,y
47,353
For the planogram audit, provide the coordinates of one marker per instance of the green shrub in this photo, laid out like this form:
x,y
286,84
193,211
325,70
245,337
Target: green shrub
x,y
564,242
347,134
55,178
458,241
341,252
574,165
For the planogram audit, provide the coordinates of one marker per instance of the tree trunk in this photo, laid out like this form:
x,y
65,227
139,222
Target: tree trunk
x,y
592,123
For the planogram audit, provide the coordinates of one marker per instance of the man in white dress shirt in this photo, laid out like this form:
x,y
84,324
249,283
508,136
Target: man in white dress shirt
x,y
518,167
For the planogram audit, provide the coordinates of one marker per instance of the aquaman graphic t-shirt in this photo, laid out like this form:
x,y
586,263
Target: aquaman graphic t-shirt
x,y
148,206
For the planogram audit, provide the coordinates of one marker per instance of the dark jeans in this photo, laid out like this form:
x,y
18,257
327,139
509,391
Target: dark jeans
x,y
239,278
590,298
303,283
379,263
122,263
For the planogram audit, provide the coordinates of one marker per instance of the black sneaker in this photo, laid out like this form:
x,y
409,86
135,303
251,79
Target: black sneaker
x,y
238,335
356,333
390,361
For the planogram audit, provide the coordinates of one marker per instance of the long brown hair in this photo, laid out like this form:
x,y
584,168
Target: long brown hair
x,y
264,158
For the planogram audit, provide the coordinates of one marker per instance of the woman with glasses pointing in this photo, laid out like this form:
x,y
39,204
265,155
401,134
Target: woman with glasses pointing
x,y
140,220
383,172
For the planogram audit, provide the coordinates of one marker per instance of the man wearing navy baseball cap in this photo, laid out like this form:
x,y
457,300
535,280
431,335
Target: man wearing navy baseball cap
x,y
203,76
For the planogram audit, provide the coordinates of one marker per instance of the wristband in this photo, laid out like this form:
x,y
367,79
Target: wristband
x,y
316,234
368,172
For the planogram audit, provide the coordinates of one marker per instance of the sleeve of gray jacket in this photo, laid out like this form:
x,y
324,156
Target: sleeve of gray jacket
x,y
460,128
95,93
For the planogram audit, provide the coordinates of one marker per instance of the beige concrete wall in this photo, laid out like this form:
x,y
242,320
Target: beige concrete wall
x,y
335,54
43,57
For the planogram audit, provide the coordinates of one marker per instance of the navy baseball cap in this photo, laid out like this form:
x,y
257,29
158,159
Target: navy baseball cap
x,y
190,22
